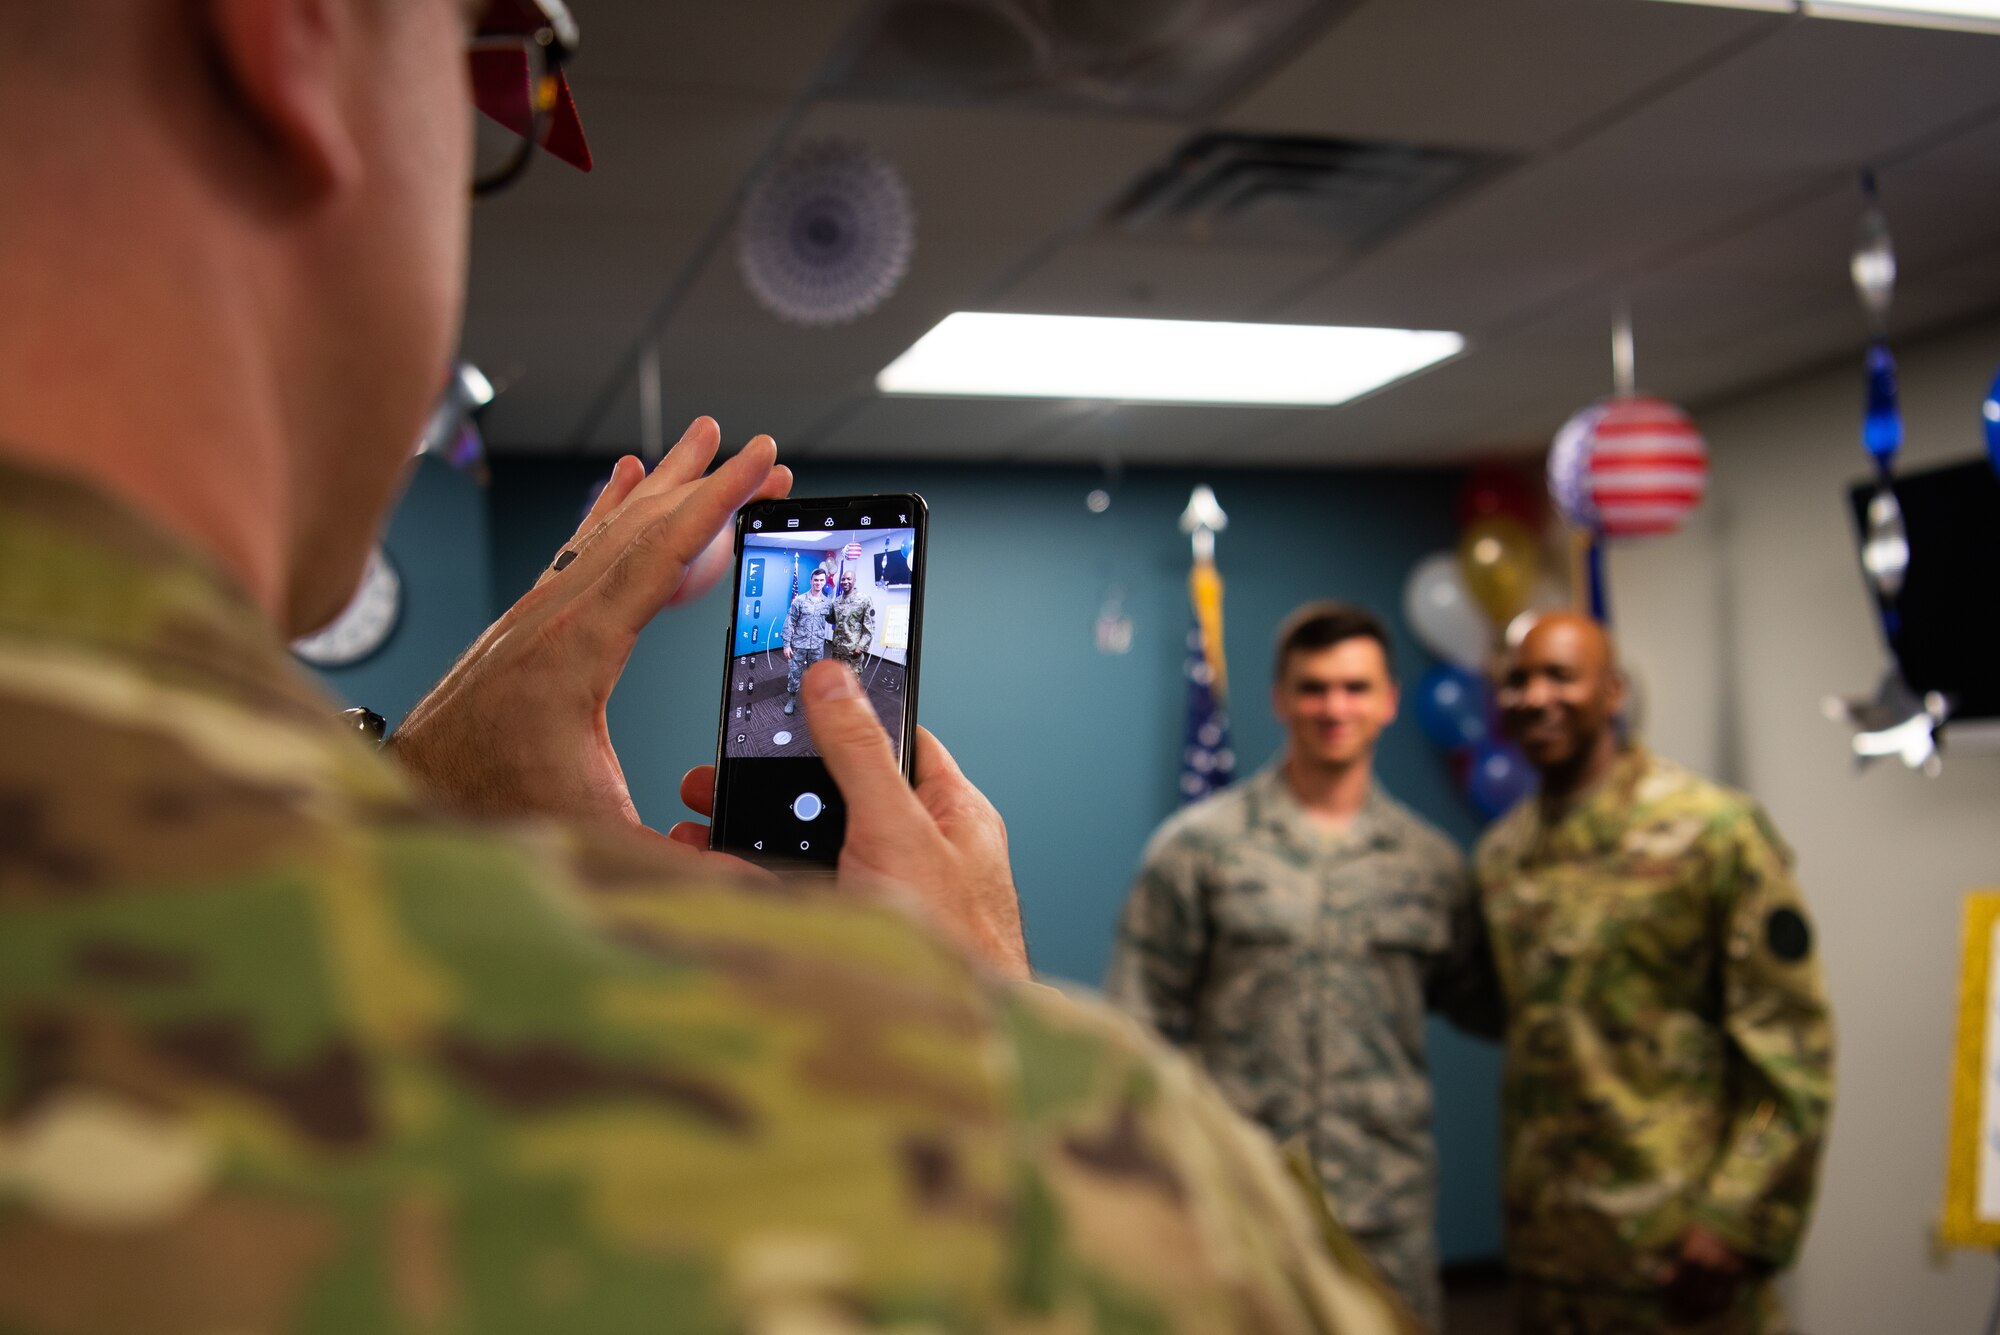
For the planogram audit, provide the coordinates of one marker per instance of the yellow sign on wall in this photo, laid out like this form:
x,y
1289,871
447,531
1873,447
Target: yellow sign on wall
x,y
1972,1170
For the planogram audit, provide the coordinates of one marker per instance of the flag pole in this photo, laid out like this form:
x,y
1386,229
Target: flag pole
x,y
1207,761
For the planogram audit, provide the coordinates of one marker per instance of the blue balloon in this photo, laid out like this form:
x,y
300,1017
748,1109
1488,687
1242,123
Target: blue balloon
x,y
1989,413
1882,424
1499,777
1451,706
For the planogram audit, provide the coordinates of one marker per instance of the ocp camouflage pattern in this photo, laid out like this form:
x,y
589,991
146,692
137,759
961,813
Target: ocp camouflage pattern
x,y
853,626
1560,1309
1669,1052
1296,967
283,1051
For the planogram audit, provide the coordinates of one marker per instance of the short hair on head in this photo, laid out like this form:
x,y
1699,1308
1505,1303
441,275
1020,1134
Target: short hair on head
x,y
1321,625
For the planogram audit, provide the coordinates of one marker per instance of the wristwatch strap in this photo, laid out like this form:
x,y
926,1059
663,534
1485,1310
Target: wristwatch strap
x,y
366,722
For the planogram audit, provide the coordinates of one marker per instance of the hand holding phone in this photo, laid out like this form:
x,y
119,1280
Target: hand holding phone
x,y
940,846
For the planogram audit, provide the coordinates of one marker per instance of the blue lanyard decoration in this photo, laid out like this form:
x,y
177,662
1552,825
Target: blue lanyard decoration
x,y
1885,551
1989,417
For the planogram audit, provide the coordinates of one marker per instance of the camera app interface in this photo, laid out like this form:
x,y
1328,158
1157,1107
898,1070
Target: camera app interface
x,y
809,589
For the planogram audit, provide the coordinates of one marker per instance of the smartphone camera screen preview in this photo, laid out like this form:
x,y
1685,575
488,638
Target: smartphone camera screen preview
x,y
804,595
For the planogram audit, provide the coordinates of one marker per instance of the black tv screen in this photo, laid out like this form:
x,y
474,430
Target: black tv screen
x,y
1947,636
891,570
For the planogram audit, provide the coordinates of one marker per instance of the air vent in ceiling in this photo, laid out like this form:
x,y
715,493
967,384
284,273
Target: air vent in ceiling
x,y
1165,57
1279,190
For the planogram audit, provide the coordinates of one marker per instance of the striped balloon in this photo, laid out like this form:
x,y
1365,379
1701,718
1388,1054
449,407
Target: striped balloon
x,y
1628,467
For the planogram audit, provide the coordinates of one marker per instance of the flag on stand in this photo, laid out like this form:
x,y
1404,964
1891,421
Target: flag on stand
x,y
1207,762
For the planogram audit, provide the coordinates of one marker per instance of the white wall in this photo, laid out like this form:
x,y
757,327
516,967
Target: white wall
x,y
888,602
1739,627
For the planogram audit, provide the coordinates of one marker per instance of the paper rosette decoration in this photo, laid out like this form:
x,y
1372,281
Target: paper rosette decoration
x,y
1628,467
826,233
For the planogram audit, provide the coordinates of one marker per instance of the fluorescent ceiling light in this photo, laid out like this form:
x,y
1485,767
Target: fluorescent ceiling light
x,y
1969,15
1158,361
1777,6
1966,15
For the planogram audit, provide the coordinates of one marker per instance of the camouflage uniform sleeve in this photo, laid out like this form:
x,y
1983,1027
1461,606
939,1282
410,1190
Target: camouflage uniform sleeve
x,y
1780,1038
1144,1178
791,624
1462,984
1163,938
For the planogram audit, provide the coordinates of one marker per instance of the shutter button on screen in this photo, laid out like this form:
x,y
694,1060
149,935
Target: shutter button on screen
x,y
807,806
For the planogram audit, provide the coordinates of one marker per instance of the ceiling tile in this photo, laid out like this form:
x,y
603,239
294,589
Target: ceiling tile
x,y
1513,75
548,319
1792,115
763,46
658,153
1107,275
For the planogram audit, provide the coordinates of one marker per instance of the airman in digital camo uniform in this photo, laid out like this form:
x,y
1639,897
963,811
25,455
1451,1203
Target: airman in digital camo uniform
x,y
853,623
1669,1060
287,1044
806,631
1291,932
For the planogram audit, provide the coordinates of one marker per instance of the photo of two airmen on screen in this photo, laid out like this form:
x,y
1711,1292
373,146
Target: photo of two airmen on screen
x,y
803,597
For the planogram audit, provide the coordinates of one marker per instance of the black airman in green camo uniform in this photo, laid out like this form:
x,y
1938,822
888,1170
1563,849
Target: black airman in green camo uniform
x,y
1669,1054
853,623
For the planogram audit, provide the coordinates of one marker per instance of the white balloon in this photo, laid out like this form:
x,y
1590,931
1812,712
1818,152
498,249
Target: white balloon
x,y
1442,614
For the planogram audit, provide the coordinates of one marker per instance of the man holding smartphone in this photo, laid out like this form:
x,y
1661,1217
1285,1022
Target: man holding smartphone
x,y
298,1038
1289,933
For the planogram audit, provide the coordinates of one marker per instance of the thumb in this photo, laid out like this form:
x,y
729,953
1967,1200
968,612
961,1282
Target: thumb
x,y
851,740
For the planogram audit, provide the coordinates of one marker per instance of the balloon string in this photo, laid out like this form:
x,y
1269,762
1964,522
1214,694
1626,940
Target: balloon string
x,y
1579,570
1600,602
1624,359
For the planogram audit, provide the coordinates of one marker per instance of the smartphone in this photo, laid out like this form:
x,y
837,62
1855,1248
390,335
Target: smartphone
x,y
832,577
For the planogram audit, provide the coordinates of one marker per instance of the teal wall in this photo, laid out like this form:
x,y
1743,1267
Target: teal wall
x,y
1078,750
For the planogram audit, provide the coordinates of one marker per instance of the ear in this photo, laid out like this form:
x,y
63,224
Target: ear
x,y
284,63
1395,697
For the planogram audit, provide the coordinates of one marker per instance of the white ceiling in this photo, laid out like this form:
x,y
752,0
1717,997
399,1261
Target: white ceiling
x,y
1699,162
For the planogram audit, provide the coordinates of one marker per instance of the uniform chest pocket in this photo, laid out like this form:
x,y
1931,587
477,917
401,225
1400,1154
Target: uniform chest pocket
x,y
1251,912
1412,922
1656,919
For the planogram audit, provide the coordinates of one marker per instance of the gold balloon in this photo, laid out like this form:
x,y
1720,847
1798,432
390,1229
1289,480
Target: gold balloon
x,y
1500,561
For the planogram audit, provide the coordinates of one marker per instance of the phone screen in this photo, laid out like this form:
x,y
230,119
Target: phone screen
x,y
838,578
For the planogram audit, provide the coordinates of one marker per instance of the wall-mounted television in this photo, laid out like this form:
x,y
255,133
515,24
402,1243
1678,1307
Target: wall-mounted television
x,y
1946,636
891,570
